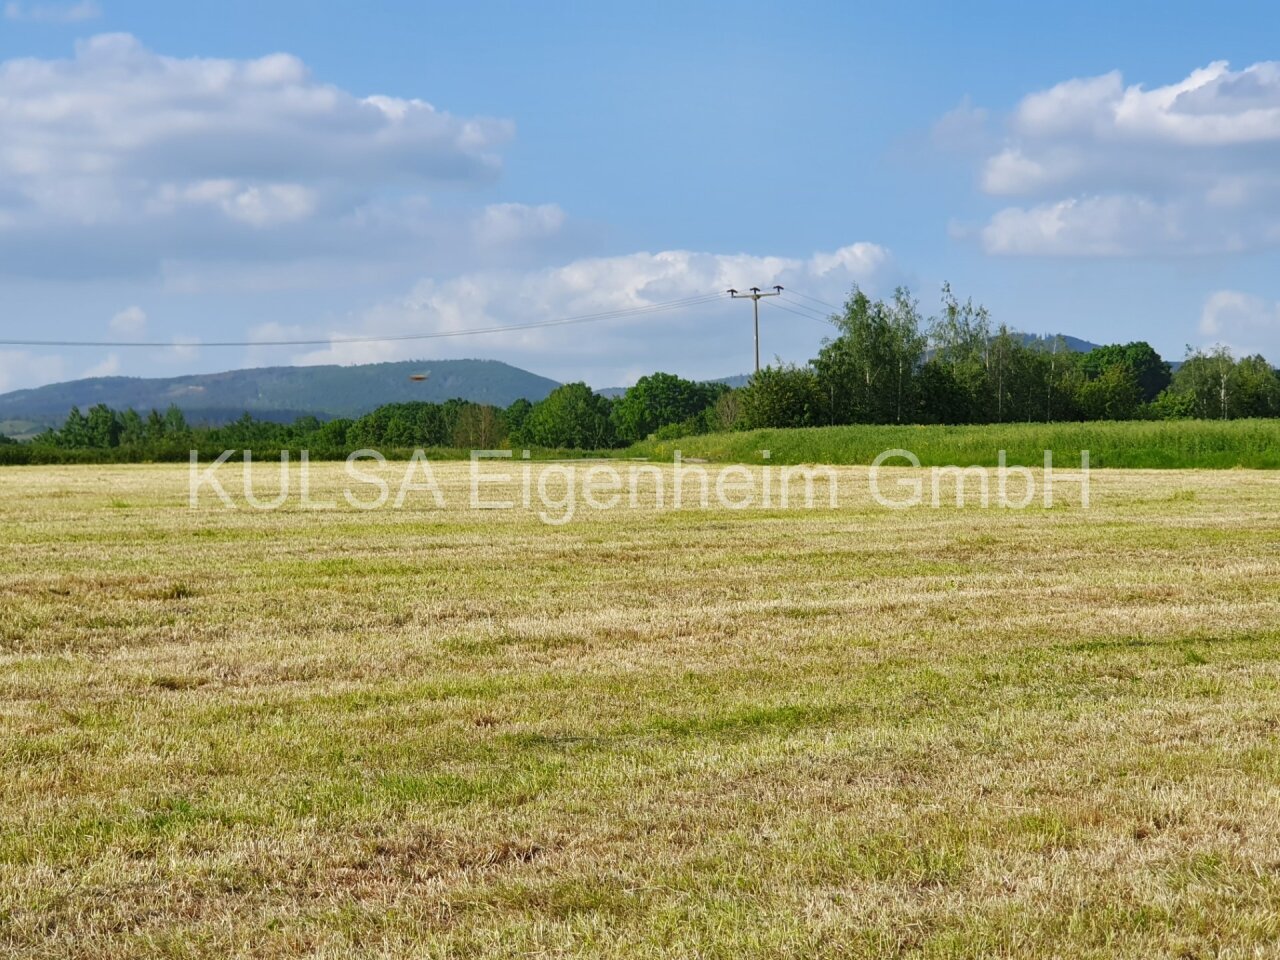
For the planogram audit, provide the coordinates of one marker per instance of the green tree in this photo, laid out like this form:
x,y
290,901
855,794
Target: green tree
x,y
479,427
959,339
961,333
412,424
154,427
515,416
660,400
782,396
726,414
1115,394
133,432
571,416
1062,380
75,430
868,371
1257,388
175,423
1171,405
1028,379
1150,371
1209,379
333,436
942,397
102,428
248,432
1009,376
304,427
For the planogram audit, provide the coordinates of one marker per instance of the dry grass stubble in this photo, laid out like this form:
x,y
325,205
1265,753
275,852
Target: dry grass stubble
x,y
851,732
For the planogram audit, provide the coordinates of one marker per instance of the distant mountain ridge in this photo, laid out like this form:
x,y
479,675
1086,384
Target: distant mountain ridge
x,y
283,394
737,380
278,393
1074,344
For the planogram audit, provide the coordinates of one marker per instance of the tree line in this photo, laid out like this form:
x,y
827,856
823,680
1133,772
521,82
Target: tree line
x,y
883,364
573,416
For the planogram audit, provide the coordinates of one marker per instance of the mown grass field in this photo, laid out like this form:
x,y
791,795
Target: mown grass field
x,y
805,733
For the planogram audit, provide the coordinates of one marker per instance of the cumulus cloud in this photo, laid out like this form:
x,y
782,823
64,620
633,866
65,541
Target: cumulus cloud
x,y
52,12
503,223
1247,323
120,158
108,366
117,107
711,339
22,368
262,205
1109,168
708,339
964,128
856,260
183,350
129,322
1091,226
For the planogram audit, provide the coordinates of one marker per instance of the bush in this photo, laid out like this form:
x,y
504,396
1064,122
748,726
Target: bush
x,y
660,401
783,396
571,416
1170,405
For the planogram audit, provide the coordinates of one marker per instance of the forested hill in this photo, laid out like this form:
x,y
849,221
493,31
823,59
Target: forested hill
x,y
1074,344
282,393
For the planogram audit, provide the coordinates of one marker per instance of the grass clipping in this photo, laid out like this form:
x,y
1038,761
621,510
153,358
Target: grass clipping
x,y
448,732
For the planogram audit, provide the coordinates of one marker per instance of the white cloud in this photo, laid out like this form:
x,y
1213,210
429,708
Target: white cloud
x,y
855,260
117,107
183,350
1075,106
1212,106
502,223
1011,172
129,322
1090,226
1246,323
22,368
711,339
108,366
120,158
1115,169
963,128
52,12
259,206
270,204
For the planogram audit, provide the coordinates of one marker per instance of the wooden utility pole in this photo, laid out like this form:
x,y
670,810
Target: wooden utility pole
x,y
754,296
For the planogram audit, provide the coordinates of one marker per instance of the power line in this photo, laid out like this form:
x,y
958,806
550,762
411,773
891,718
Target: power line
x,y
806,308
816,300
619,314
807,316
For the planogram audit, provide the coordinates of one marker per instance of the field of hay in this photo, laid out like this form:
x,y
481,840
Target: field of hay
x,y
439,731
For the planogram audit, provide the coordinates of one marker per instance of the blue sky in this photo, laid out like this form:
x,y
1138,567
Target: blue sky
x,y
165,175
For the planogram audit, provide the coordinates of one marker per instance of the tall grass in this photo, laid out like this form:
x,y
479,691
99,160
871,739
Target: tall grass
x,y
1169,444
